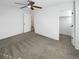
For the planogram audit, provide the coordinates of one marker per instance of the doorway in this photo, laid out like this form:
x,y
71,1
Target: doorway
x,y
66,25
26,23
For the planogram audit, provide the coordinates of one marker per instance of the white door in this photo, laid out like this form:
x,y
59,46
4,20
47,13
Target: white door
x,y
26,23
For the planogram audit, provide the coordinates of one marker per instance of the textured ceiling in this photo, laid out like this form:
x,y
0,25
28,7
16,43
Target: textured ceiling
x,y
39,2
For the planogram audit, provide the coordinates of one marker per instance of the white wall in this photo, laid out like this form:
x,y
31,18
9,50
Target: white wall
x,y
11,21
47,20
47,24
14,21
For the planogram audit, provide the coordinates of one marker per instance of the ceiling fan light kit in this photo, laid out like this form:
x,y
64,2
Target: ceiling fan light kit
x,y
29,6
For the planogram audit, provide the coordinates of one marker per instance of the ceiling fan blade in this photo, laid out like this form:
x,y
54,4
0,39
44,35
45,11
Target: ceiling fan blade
x,y
20,3
38,7
32,8
23,7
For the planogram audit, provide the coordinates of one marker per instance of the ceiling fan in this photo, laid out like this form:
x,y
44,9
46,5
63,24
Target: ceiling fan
x,y
30,4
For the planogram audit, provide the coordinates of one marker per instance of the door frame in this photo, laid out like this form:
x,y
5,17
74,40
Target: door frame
x,y
74,20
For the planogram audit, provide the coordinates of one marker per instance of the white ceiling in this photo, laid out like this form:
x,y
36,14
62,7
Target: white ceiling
x,y
39,2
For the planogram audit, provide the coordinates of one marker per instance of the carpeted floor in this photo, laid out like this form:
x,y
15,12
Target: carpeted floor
x,y
33,46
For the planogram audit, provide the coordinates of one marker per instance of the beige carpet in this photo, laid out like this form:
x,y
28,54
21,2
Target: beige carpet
x,y
33,46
